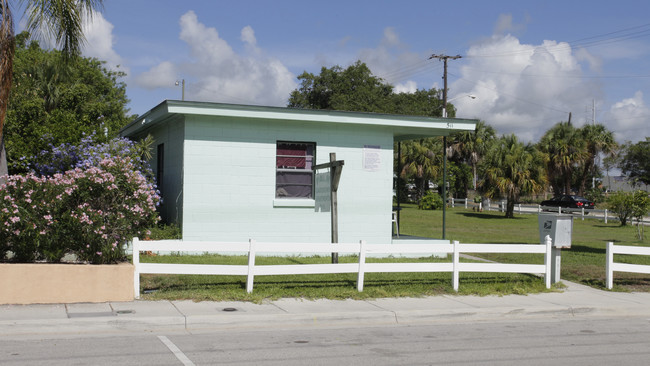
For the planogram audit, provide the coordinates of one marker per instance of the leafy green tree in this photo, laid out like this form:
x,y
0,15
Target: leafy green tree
x,y
61,19
55,102
565,150
629,205
635,162
350,89
513,169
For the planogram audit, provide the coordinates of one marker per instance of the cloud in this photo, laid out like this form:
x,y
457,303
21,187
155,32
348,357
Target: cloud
x,y
390,55
522,88
407,87
215,72
99,41
630,118
163,75
505,25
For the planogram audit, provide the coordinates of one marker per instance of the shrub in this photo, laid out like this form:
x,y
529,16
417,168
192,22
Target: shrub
x,y
89,211
64,157
430,201
629,205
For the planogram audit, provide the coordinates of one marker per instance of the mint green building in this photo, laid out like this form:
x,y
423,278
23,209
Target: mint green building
x,y
234,172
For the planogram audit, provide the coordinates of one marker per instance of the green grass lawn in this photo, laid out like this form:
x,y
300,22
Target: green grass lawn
x,y
583,263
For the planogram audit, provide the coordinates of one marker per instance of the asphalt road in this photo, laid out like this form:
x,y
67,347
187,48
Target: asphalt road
x,y
544,341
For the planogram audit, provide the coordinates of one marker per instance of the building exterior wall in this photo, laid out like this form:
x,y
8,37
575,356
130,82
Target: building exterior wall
x,y
229,181
171,134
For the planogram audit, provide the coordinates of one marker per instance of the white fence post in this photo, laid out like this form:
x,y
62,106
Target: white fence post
x,y
465,202
605,215
456,265
539,209
583,213
559,210
480,206
136,267
362,264
609,273
251,266
548,260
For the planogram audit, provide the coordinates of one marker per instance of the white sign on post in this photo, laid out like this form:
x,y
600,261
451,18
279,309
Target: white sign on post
x,y
322,194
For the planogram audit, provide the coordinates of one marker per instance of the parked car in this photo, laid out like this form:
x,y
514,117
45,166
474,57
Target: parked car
x,y
569,201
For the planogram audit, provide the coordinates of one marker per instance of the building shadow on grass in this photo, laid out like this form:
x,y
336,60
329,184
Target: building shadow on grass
x,y
479,215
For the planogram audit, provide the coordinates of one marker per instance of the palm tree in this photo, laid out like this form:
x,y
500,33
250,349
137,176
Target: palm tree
x,y
471,146
61,20
422,161
513,169
564,150
598,140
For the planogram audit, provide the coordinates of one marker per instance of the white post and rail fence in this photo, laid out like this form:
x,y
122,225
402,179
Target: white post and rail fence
x,y
500,206
253,248
612,266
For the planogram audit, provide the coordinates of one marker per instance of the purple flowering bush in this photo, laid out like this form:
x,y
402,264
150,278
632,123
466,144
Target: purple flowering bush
x,y
89,211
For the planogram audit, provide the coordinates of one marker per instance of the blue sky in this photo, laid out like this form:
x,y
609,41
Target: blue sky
x,y
527,63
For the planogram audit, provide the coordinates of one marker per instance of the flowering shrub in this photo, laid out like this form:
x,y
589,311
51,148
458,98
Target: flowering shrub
x,y
64,157
89,211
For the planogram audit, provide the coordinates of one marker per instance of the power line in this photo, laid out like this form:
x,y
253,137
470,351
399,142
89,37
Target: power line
x,y
509,95
624,34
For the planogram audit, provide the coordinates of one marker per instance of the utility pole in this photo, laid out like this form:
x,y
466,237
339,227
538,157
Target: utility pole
x,y
444,58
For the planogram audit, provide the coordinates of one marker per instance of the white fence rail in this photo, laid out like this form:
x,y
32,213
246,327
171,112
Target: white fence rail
x,y
361,249
500,206
612,266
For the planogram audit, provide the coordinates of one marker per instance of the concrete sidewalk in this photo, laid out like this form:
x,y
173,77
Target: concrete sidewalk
x,y
170,316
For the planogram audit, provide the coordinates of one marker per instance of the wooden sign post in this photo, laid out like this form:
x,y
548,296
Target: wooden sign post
x,y
335,175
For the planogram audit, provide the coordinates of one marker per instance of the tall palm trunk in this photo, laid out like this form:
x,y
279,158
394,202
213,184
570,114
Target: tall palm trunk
x,y
7,49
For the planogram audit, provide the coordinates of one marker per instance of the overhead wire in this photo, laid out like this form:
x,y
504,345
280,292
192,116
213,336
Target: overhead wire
x,y
596,40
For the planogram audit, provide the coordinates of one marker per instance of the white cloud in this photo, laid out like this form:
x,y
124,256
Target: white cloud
x,y
505,25
248,36
99,41
407,87
163,75
217,73
522,88
630,118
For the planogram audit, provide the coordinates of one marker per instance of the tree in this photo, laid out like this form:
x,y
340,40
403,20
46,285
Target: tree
x,y
350,89
471,146
635,162
61,19
629,205
565,150
422,162
598,139
54,102
513,169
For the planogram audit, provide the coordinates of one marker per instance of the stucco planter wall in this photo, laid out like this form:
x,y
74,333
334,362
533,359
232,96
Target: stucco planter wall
x,y
48,283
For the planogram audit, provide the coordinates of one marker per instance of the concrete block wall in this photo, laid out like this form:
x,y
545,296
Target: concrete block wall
x,y
172,135
229,182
